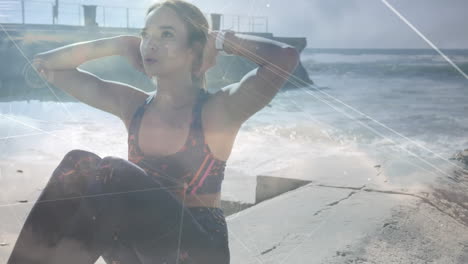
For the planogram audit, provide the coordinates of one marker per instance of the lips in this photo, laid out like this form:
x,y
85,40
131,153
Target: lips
x,y
150,60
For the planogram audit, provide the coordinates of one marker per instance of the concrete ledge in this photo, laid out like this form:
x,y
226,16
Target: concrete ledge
x,y
269,186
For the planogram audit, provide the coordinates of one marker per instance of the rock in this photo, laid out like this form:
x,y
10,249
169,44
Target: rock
x,y
461,156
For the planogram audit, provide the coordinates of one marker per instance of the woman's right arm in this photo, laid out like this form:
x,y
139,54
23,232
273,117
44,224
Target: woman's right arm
x,y
73,55
59,67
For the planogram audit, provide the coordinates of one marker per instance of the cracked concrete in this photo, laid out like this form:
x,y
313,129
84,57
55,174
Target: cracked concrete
x,y
323,223
335,202
311,236
438,192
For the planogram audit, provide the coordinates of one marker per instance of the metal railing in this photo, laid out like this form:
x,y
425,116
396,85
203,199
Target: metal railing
x,y
244,23
41,12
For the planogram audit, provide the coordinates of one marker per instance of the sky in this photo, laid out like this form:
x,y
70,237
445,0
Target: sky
x,y
359,23
345,23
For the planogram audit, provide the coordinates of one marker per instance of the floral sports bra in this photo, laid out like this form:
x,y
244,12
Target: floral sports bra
x,y
193,169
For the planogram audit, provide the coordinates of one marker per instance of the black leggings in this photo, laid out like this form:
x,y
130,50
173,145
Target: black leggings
x,y
110,207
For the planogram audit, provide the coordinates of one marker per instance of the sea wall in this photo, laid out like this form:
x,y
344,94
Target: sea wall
x,y
19,43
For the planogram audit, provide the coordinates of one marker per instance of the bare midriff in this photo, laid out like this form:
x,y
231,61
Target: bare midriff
x,y
200,200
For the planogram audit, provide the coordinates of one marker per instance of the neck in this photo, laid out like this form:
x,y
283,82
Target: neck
x,y
175,93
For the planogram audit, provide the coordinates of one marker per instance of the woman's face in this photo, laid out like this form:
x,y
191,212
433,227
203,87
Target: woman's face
x,y
163,45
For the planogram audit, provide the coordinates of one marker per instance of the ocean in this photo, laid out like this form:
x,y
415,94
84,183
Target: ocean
x,y
405,108
403,112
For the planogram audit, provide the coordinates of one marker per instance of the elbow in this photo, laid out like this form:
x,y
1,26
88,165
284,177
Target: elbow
x,y
291,58
40,59
283,60
287,58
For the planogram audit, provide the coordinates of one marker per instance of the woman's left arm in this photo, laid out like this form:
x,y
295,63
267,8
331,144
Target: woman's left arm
x,y
276,61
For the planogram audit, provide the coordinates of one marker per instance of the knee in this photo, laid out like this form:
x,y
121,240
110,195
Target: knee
x,y
80,161
77,155
73,171
111,161
118,170
118,166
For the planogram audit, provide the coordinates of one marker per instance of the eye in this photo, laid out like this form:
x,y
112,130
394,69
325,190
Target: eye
x,y
169,34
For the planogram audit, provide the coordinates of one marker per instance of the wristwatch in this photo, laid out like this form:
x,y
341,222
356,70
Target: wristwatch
x,y
219,42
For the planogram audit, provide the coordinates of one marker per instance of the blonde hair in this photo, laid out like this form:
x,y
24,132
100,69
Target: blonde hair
x,y
197,27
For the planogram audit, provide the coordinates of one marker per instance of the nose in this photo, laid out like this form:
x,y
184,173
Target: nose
x,y
150,46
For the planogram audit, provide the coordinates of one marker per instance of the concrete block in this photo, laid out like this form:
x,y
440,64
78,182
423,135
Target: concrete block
x,y
269,186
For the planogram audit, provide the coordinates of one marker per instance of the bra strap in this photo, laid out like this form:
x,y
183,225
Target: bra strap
x,y
196,117
136,118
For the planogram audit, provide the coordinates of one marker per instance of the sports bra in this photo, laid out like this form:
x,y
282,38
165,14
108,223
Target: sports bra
x,y
193,169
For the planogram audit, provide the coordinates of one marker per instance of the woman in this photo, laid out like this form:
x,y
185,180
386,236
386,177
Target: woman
x,y
163,204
